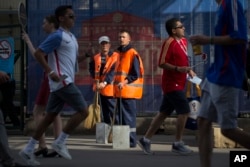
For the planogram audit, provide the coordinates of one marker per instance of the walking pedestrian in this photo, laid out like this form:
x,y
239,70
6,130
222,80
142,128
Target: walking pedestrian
x,y
62,50
50,25
224,78
174,62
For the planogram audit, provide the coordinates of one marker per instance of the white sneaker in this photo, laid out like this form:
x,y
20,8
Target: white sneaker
x,y
29,158
62,150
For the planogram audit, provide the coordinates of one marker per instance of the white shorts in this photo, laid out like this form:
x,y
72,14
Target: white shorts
x,y
220,104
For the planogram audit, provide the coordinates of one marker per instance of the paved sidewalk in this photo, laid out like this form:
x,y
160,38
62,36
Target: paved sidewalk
x,y
87,153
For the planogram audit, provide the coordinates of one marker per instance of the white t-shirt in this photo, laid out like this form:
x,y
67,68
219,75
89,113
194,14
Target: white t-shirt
x,y
62,50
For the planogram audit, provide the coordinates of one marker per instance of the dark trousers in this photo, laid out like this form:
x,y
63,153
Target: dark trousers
x,y
127,116
7,91
5,152
107,108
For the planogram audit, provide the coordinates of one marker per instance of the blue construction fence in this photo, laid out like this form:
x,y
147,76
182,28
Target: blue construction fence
x,y
145,19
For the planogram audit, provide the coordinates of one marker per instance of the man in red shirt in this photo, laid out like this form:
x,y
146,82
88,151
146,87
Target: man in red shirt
x,y
174,62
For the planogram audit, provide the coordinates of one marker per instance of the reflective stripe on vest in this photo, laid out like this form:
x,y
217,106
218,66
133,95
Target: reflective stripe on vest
x,y
134,89
108,90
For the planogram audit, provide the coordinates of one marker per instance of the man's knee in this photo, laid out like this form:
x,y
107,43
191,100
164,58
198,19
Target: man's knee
x,y
226,132
84,113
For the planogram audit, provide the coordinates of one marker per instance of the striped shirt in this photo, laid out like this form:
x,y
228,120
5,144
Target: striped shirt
x,y
173,52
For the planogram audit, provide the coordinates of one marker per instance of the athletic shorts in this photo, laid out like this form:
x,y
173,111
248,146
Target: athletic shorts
x,y
70,95
175,101
219,104
43,93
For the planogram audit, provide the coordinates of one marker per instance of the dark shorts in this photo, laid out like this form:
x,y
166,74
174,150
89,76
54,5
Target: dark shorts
x,y
70,95
43,93
175,101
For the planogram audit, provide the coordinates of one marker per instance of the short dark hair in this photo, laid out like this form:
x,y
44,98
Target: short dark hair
x,y
61,10
170,24
125,31
52,19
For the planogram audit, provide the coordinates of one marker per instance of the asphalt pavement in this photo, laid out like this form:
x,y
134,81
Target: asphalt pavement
x,y
87,153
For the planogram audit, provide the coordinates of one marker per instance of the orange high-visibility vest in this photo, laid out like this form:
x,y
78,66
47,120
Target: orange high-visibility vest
x,y
108,90
135,88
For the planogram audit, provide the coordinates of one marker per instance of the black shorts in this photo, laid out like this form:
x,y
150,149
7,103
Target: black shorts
x,y
175,101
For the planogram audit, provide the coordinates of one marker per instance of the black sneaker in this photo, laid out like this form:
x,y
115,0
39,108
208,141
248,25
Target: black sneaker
x,y
52,154
41,151
145,146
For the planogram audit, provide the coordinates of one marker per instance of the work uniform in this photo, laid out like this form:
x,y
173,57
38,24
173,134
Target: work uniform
x,y
102,69
129,67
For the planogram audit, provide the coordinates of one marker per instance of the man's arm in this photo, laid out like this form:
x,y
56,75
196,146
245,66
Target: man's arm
x,y
26,38
92,68
40,57
134,73
217,40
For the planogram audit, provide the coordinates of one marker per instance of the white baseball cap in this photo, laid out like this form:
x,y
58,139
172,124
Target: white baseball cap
x,y
104,38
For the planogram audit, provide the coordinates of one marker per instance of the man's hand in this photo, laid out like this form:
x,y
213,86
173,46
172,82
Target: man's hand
x,y
122,84
4,77
54,77
184,69
191,73
199,39
101,85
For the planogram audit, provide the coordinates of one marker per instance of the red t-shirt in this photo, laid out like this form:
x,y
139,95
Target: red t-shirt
x,y
173,52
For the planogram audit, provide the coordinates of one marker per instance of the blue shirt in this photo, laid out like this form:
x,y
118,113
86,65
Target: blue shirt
x,y
7,55
229,60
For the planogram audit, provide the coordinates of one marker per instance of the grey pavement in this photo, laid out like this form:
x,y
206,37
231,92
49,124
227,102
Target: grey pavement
x,y
87,153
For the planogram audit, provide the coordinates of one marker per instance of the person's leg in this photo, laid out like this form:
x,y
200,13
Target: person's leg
x,y
5,153
128,116
180,126
59,145
7,105
227,103
181,105
73,97
74,121
44,124
38,114
27,152
57,129
238,136
57,126
205,142
165,109
177,101
107,108
206,116
155,124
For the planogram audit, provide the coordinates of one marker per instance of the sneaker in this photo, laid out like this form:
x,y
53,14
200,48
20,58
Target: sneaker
x,y
29,158
62,150
181,148
145,146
